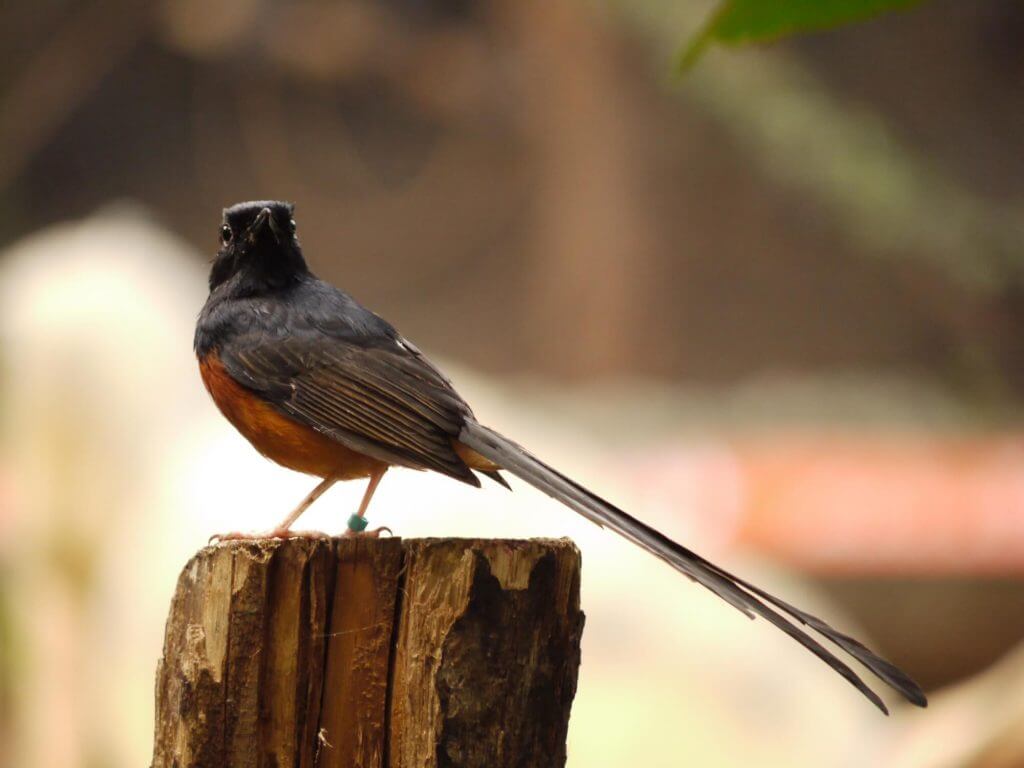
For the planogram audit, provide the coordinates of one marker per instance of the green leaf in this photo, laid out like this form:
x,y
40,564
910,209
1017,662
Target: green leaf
x,y
743,21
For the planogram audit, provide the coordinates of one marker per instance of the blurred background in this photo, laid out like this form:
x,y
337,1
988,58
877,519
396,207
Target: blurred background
x,y
774,307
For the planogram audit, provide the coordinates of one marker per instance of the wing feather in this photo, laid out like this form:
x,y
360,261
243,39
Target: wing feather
x,y
387,403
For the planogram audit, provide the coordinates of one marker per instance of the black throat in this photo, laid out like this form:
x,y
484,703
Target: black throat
x,y
260,269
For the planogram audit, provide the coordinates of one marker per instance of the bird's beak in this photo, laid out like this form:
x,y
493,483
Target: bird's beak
x,y
275,230
262,218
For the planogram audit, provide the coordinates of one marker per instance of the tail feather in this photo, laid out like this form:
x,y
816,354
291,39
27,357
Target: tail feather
x,y
495,475
745,597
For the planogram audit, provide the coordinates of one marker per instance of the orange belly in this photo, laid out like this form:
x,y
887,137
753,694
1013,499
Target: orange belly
x,y
277,437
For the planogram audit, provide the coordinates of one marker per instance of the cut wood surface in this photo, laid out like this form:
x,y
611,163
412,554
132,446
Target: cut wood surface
x,y
377,653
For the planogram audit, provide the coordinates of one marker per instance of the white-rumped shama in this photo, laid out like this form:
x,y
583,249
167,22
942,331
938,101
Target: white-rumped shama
x,y
322,385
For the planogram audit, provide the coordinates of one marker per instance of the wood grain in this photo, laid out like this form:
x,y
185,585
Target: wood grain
x,y
366,653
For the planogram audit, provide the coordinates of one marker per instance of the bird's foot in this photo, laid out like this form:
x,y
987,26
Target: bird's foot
x,y
373,533
275,533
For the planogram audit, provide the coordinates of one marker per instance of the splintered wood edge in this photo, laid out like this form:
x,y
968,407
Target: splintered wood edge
x,y
238,677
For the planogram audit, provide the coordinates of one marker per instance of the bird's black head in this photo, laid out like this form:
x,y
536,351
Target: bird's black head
x,y
259,249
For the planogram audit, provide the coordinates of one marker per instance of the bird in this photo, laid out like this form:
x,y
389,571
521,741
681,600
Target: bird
x,y
321,385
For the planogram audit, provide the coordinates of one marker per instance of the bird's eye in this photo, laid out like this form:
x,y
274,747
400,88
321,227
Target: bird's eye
x,y
292,226
225,234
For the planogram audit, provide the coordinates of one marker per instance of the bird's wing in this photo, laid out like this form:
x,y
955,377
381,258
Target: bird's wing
x,y
385,401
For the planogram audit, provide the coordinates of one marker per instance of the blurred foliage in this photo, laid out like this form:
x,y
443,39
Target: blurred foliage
x,y
889,196
743,21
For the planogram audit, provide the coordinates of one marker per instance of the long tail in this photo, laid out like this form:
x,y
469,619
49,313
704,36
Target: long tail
x,y
740,594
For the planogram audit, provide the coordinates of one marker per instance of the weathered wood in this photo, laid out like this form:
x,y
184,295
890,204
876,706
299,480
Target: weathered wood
x,y
367,653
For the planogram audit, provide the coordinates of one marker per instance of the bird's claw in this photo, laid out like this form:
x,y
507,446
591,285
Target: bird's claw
x,y
373,533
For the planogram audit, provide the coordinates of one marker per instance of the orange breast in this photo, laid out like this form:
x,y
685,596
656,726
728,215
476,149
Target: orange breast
x,y
278,437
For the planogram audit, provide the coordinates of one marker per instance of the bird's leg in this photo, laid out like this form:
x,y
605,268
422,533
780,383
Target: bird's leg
x,y
283,529
357,523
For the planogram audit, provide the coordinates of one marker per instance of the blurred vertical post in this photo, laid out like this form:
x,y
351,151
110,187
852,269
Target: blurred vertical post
x,y
328,653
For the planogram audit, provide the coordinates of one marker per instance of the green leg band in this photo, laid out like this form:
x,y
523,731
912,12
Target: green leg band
x,y
357,524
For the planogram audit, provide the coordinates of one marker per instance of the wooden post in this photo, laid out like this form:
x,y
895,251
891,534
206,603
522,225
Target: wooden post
x,y
318,653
